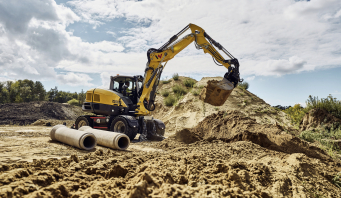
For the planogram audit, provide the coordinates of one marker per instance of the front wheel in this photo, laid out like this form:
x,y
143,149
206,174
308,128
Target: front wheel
x,y
121,125
83,121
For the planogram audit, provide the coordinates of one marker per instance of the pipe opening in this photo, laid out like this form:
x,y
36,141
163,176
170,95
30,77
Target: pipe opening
x,y
123,142
89,142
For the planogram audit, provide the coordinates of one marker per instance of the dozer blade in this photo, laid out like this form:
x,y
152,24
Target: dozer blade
x,y
216,92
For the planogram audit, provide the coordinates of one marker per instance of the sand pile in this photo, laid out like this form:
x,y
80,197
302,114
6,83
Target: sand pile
x,y
232,126
190,109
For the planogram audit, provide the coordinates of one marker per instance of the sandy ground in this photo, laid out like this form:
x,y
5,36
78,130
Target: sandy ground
x,y
28,143
242,159
241,149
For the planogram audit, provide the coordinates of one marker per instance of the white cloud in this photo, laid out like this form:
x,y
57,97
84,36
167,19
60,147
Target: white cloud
x,y
251,78
267,33
74,79
268,37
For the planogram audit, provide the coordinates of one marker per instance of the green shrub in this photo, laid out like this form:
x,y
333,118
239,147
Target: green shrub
x,y
196,92
170,100
189,82
296,113
176,76
179,90
325,138
74,102
243,85
165,93
330,104
337,180
165,81
310,136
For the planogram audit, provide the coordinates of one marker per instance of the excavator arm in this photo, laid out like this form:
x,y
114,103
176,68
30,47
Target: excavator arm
x,y
166,52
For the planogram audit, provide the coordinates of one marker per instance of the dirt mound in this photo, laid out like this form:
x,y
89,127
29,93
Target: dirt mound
x,y
317,117
190,109
27,113
232,126
202,169
214,93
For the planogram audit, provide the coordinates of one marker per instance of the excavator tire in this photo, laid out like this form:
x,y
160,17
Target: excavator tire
x,y
121,125
83,121
159,131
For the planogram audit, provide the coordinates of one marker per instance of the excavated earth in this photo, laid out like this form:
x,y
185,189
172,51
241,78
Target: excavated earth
x,y
28,113
230,152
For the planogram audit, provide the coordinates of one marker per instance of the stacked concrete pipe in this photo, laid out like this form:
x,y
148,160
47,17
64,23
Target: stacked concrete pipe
x,y
109,139
79,139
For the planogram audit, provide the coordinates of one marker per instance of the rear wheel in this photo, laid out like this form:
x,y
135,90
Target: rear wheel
x,y
83,121
121,125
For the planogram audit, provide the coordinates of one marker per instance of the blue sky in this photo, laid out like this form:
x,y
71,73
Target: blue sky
x,y
287,49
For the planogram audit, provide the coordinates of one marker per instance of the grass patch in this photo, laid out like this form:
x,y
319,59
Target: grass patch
x,y
165,93
325,139
195,92
170,100
189,83
337,180
179,90
243,85
176,76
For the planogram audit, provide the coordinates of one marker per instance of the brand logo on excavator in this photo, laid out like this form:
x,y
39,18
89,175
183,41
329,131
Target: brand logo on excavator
x,y
160,55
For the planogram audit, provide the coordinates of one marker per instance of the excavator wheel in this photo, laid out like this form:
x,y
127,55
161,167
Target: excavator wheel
x,y
159,131
83,121
121,125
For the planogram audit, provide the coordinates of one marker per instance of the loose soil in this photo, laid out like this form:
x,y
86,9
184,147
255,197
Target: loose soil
x,y
214,93
242,149
28,113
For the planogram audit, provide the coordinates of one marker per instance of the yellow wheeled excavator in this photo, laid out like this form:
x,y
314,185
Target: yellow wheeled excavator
x,y
125,106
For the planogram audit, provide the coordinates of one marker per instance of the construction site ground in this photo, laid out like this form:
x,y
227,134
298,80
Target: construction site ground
x,y
244,148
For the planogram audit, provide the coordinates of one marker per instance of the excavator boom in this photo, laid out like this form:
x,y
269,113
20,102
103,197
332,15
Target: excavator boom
x,y
216,94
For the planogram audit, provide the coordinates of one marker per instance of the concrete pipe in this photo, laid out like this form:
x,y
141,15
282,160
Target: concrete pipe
x,y
79,139
112,140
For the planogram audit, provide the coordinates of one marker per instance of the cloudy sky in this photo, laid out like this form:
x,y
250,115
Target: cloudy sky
x,y
287,49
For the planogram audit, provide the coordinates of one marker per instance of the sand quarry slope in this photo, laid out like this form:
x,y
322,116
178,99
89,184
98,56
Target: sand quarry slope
x,y
238,150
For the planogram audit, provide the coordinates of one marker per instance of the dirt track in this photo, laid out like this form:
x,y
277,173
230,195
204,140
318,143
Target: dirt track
x,y
227,154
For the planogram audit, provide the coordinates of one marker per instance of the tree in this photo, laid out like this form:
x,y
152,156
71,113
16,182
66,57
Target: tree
x,y
51,95
38,91
14,92
81,97
3,94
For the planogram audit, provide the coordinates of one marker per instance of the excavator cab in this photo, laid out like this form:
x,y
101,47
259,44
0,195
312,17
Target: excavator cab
x,y
125,85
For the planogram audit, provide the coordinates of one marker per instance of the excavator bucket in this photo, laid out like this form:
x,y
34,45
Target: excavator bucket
x,y
216,92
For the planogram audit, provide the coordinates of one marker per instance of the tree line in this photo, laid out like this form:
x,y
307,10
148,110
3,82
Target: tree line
x,y
28,90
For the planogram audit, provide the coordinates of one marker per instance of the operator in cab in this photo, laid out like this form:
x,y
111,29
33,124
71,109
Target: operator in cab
x,y
125,88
